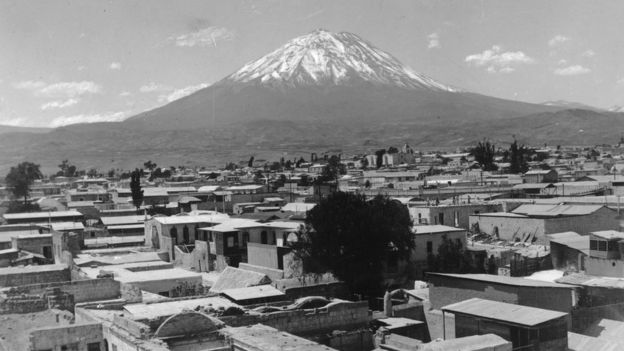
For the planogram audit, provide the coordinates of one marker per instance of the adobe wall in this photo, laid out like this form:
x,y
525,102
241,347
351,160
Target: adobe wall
x,y
342,316
510,228
603,219
27,277
79,335
82,290
262,255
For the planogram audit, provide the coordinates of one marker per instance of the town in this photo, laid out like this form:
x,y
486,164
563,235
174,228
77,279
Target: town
x,y
486,248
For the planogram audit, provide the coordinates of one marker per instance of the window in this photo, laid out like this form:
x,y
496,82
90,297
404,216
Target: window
x,y
93,346
230,241
264,237
173,232
429,247
185,235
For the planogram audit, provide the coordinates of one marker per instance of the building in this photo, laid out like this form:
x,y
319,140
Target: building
x,y
43,217
605,254
528,328
569,251
452,215
427,241
84,336
541,176
447,289
532,222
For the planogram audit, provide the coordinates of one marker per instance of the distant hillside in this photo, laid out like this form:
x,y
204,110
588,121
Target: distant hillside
x,y
13,129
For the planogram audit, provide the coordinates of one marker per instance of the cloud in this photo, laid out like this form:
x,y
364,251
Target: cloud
x,y
495,60
557,40
16,122
588,53
154,87
205,37
562,62
125,93
60,89
180,93
59,104
434,41
89,118
115,66
573,70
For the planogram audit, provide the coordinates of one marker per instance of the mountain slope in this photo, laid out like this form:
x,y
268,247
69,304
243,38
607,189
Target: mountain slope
x,y
327,77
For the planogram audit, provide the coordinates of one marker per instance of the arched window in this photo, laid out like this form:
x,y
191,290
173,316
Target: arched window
x,y
185,235
264,237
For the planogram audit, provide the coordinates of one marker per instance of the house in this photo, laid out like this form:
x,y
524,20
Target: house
x,y
532,222
457,215
541,176
445,289
43,217
528,328
427,240
569,251
228,242
605,254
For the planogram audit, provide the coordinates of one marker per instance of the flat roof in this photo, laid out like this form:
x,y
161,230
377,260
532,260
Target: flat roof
x,y
572,240
252,292
580,342
609,234
590,280
266,338
501,279
215,217
473,342
117,220
504,312
169,308
232,225
126,226
545,210
52,214
298,207
112,240
399,322
435,229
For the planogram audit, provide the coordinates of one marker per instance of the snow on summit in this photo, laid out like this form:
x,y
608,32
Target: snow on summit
x,y
323,57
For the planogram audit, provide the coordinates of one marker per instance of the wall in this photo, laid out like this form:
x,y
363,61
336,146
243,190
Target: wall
x,y
18,276
454,215
33,244
341,316
566,258
80,335
447,290
510,228
603,219
604,267
273,274
82,290
419,253
262,255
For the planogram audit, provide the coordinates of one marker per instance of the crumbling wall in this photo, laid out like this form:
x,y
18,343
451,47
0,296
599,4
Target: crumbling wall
x,y
82,290
24,277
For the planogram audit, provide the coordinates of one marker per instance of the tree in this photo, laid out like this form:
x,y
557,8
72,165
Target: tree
x,y
150,165
299,162
67,169
393,150
518,158
379,160
21,177
250,162
354,238
135,188
92,173
484,155
451,258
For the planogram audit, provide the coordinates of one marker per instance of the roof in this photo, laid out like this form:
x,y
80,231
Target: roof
x,y
62,226
233,224
504,312
244,187
115,240
580,342
473,342
556,210
208,188
609,234
274,224
399,322
51,214
538,171
266,338
592,281
252,292
214,217
188,199
126,226
533,186
232,278
572,240
169,308
607,329
435,229
117,220
501,279
297,207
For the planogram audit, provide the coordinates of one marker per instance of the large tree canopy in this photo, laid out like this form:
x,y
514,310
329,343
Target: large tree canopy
x,y
484,155
353,238
135,188
21,177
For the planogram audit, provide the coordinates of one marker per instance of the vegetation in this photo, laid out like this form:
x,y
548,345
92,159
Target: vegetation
x,y
518,158
452,258
353,239
67,169
484,155
135,188
21,177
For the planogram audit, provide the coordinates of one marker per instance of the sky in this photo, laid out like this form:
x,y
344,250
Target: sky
x,y
71,61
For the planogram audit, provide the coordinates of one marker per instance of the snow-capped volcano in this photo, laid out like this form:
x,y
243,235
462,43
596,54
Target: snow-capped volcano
x,y
323,57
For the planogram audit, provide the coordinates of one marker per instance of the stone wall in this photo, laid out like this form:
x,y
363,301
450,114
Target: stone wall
x,y
82,290
74,335
16,276
340,316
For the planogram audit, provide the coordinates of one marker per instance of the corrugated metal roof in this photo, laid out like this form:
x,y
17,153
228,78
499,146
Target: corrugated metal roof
x,y
543,210
504,312
501,279
572,240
